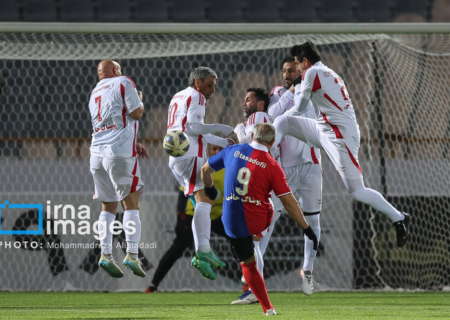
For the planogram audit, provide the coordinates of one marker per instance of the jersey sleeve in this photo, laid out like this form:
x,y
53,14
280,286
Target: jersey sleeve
x,y
217,161
279,103
279,182
302,98
307,85
240,132
253,120
196,108
261,117
130,95
210,138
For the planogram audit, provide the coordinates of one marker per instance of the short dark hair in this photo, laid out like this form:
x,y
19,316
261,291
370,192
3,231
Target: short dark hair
x,y
288,59
261,95
306,50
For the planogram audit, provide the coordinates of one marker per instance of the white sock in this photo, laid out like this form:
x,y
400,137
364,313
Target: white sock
x,y
133,232
259,258
202,226
106,218
265,240
310,253
374,199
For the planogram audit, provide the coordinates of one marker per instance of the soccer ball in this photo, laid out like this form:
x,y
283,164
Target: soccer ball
x,y
176,143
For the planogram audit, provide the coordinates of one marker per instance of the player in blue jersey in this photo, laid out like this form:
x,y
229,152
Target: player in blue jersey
x,y
251,174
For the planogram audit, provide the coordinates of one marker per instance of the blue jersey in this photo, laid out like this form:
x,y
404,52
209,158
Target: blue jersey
x,y
251,174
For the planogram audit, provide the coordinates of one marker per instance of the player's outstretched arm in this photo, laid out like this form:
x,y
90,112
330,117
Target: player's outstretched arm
x,y
201,128
223,142
294,210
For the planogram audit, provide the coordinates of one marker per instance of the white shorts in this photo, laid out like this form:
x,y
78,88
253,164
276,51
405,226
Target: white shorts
x,y
115,179
342,152
305,182
276,202
188,174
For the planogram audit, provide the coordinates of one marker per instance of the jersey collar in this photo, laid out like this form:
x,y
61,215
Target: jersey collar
x,y
258,146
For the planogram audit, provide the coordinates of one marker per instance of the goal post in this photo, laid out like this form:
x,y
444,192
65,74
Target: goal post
x,y
397,75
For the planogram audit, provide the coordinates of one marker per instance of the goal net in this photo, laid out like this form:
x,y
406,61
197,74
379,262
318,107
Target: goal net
x,y
399,85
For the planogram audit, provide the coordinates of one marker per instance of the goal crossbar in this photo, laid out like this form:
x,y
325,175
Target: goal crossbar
x,y
225,28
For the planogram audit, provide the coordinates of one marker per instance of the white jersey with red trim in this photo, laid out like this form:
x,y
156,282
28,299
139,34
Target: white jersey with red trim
x,y
329,95
187,106
244,133
114,131
293,152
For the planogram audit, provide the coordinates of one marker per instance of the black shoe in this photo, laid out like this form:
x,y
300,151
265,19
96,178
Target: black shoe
x,y
151,289
401,227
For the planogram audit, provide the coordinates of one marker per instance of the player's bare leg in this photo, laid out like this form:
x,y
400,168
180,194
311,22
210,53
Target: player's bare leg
x,y
107,262
201,228
132,228
374,199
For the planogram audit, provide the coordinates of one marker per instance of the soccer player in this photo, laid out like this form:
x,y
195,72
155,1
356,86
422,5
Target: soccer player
x,y
183,229
116,108
301,164
187,113
252,174
255,105
335,129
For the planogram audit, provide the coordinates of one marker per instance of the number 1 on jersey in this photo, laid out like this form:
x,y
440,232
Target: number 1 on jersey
x,y
98,101
243,177
172,109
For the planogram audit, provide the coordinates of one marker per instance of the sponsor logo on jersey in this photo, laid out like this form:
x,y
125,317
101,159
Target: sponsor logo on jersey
x,y
101,88
234,197
107,126
239,155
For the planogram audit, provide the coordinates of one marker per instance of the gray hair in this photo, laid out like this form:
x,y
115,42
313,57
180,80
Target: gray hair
x,y
264,133
201,73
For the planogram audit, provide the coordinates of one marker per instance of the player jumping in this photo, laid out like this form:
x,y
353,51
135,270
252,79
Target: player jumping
x,y
187,113
335,130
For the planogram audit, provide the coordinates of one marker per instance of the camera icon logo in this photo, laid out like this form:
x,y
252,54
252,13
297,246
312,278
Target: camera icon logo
x,y
40,208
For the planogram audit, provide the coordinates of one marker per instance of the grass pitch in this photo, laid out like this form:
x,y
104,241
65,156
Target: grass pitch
x,y
321,305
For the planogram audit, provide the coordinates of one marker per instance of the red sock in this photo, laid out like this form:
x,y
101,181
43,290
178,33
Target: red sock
x,y
256,282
